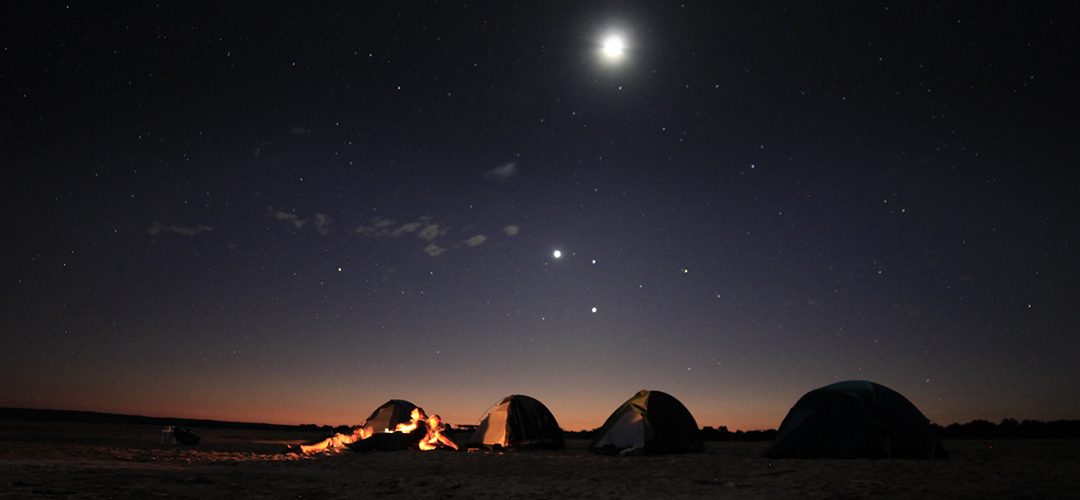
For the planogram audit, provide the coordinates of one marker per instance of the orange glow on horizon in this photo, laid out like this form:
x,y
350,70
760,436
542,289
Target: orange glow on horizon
x,y
577,414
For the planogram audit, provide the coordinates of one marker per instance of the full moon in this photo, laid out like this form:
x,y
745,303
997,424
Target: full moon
x,y
613,48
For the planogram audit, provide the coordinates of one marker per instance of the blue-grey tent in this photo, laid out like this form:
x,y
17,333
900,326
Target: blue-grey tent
x,y
855,419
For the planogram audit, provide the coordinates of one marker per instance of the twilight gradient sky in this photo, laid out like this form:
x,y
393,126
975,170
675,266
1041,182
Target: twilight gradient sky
x,y
294,213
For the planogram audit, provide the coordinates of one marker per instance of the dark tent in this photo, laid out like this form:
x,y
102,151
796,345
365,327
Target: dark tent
x,y
855,419
382,423
386,417
518,422
651,422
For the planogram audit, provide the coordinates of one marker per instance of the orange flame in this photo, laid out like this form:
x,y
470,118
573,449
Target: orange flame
x,y
417,416
336,442
434,437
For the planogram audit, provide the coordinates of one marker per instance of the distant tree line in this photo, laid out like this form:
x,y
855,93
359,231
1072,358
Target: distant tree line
x,y
723,434
580,434
1010,428
707,434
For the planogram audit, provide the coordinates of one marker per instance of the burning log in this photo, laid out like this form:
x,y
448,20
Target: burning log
x,y
335,442
419,432
424,433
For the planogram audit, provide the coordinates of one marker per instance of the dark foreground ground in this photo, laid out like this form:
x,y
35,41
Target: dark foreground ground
x,y
64,460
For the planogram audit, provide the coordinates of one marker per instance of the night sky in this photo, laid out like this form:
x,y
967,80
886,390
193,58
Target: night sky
x,y
293,213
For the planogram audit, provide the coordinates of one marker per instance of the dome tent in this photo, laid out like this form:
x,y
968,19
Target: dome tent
x,y
651,422
389,415
855,419
518,422
382,428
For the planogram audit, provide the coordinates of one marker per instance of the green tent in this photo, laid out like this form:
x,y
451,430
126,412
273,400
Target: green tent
x,y
855,419
651,422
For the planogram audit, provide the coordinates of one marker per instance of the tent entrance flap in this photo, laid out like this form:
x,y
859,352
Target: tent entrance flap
x,y
627,432
650,422
493,429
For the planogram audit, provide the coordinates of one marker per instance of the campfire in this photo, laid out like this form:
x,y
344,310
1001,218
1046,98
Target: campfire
x,y
404,435
417,416
434,438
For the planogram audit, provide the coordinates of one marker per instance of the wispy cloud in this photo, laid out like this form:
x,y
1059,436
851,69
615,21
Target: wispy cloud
x,y
378,227
422,229
322,224
407,228
475,241
158,228
427,230
502,173
430,232
291,218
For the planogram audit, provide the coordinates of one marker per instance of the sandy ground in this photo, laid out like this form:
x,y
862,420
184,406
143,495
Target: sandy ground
x,y
61,460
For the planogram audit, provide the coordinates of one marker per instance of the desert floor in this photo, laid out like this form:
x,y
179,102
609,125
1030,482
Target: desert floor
x,y
64,460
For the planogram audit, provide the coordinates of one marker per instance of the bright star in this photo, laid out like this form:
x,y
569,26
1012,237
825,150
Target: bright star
x,y
613,48
557,254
